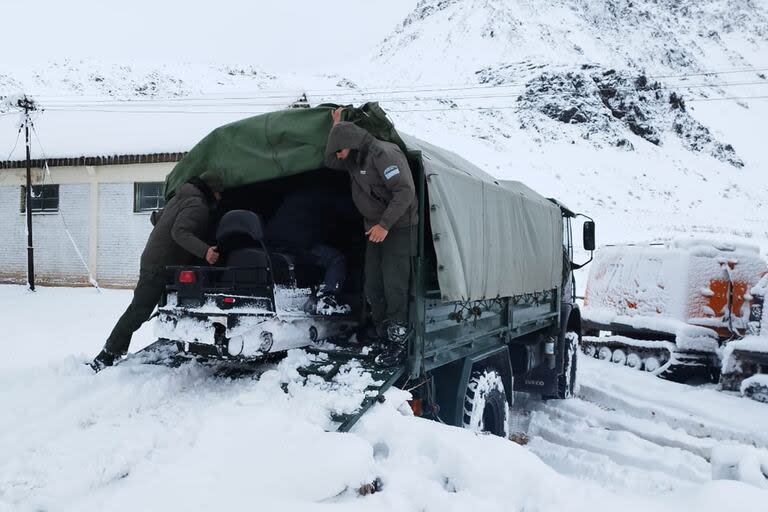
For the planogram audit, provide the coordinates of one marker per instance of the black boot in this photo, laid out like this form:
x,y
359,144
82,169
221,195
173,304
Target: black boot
x,y
329,304
104,359
395,350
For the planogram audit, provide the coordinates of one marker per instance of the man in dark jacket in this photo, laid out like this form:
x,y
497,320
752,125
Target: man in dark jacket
x,y
384,193
304,225
176,239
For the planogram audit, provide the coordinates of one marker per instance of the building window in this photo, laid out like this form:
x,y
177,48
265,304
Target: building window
x,y
148,196
45,198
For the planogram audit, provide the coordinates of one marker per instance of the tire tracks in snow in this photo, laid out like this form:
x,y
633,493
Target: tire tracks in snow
x,y
631,429
668,413
622,447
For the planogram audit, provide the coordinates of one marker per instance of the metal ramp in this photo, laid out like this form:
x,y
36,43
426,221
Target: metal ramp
x,y
337,357
166,353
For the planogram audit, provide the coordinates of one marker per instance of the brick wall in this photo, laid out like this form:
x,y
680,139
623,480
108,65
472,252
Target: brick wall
x,y
122,235
56,261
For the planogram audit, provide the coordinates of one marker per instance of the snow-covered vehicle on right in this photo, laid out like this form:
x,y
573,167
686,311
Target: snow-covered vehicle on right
x,y
671,309
745,361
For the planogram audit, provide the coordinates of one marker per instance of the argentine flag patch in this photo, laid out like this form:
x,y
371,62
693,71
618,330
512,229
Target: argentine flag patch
x,y
391,171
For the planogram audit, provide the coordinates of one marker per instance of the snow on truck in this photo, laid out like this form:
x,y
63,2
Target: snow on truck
x,y
745,361
670,308
491,307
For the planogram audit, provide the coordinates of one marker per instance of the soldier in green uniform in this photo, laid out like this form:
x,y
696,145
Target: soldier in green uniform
x,y
176,239
384,193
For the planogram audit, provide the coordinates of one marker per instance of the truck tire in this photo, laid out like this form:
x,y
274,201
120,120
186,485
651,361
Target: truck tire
x,y
567,383
485,404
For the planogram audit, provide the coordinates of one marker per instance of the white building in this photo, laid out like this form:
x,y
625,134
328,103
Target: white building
x,y
105,174
89,212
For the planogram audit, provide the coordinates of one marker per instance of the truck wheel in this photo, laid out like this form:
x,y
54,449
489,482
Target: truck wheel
x,y
485,404
567,383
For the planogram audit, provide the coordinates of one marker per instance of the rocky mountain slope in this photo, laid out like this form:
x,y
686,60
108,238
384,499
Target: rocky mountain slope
x,y
618,107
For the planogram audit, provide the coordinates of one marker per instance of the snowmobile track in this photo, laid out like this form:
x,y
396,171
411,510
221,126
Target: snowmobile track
x,y
330,360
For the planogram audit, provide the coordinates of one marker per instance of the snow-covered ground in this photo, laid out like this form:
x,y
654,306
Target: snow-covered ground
x,y
572,97
141,437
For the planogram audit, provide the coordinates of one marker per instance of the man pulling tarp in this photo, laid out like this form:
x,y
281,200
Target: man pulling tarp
x,y
384,193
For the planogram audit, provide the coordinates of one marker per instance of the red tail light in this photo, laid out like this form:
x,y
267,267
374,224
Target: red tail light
x,y
229,300
187,277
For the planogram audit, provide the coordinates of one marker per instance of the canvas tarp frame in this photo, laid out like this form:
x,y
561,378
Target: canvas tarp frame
x,y
492,238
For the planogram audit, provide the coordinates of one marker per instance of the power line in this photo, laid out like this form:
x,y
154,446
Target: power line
x,y
708,73
731,98
247,101
18,135
120,107
436,109
123,111
360,96
288,94
47,173
213,108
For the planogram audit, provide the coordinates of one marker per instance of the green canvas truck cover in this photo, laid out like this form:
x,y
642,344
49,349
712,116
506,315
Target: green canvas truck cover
x,y
492,238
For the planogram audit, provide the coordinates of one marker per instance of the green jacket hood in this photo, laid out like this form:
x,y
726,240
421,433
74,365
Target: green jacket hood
x,y
348,135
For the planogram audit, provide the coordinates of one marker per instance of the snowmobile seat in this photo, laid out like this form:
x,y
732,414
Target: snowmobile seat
x,y
240,240
238,229
252,276
295,268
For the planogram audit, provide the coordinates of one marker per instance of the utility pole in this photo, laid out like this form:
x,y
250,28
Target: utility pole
x,y
28,105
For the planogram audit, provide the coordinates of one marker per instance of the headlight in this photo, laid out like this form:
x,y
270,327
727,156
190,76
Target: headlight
x,y
235,346
267,341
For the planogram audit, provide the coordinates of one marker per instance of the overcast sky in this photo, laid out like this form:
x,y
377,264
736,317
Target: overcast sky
x,y
283,35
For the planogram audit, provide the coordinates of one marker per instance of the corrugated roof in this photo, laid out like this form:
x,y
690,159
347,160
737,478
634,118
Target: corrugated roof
x,y
150,158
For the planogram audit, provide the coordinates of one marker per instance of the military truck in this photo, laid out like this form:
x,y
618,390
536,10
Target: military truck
x,y
491,308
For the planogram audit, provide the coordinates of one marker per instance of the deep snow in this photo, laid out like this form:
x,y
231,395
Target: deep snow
x,y
150,438
141,437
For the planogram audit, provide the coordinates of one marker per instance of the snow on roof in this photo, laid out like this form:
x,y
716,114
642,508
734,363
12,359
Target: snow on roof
x,y
94,138
690,244
720,245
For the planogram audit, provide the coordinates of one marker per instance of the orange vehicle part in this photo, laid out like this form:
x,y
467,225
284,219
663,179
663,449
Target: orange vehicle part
x,y
719,301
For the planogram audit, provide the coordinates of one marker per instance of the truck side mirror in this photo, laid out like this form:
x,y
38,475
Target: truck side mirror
x,y
589,235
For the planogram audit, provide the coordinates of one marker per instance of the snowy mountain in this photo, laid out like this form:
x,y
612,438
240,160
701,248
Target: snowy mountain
x,y
620,108
658,36
613,106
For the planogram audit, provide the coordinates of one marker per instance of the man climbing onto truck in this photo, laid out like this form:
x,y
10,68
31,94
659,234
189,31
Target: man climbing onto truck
x,y
384,193
176,239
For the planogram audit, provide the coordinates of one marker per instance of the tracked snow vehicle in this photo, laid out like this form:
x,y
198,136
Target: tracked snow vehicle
x,y
745,361
491,307
669,308
251,306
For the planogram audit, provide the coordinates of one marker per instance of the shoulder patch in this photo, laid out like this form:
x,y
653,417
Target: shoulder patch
x,y
391,171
